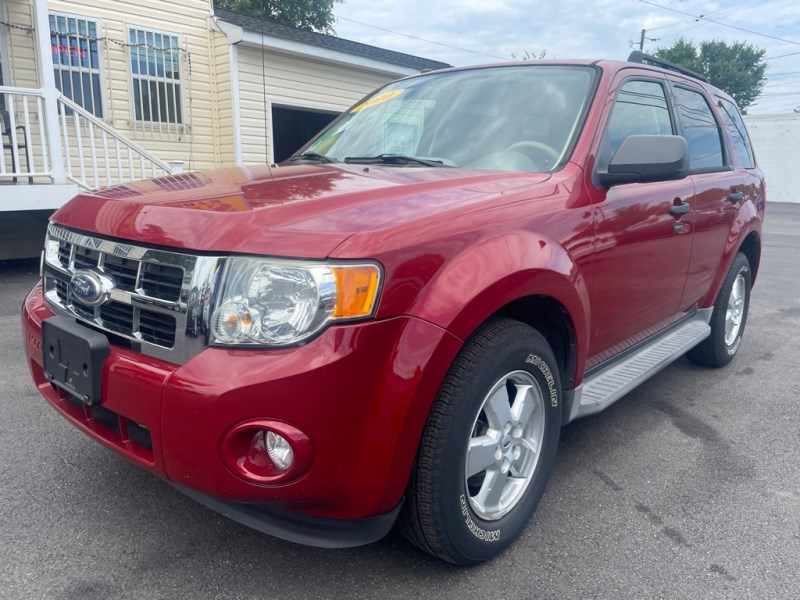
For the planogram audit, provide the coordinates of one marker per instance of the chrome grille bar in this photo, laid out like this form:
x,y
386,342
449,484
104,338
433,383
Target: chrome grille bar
x,y
171,329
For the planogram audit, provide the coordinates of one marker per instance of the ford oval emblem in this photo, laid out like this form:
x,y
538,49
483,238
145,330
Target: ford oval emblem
x,y
90,287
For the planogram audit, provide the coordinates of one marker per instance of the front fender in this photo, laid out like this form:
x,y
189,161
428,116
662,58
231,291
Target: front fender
x,y
498,269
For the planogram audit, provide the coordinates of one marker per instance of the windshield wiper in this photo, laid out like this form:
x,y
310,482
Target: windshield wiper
x,y
314,156
393,159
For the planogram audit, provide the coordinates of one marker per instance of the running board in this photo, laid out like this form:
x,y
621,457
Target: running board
x,y
607,386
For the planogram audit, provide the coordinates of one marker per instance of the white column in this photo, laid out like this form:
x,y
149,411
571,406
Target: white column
x,y
48,84
236,105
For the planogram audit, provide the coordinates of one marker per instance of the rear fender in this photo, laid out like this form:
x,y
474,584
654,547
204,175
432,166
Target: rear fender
x,y
747,220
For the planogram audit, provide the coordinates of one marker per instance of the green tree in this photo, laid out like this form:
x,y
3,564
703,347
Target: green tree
x,y
528,55
311,15
738,68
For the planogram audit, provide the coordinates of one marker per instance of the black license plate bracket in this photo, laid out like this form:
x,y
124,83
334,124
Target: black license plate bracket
x,y
73,358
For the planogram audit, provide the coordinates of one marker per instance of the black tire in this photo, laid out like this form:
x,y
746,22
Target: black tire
x,y
715,351
438,515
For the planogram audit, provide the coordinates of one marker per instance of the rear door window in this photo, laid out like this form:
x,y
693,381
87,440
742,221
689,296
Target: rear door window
x,y
700,129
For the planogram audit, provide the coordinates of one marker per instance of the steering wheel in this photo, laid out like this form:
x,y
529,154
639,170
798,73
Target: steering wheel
x,y
537,147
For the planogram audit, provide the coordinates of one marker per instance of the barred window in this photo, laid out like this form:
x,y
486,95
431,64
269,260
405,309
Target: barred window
x,y
76,60
156,70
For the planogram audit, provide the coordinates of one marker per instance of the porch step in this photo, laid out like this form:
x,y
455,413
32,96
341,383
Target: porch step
x,y
605,387
37,196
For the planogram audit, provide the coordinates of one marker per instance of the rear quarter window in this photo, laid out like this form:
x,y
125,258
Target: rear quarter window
x,y
733,122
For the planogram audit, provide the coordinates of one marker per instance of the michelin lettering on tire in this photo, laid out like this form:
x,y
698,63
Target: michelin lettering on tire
x,y
481,534
548,375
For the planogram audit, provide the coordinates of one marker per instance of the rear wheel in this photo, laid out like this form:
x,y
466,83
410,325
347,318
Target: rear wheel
x,y
488,448
728,319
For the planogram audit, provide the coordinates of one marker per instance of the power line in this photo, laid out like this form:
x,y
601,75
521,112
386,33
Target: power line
x,y
772,37
780,83
740,8
666,37
782,55
413,37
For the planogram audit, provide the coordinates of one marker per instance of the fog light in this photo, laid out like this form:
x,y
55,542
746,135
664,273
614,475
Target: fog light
x,y
266,451
279,450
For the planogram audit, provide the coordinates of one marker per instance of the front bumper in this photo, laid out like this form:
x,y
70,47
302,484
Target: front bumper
x,y
360,392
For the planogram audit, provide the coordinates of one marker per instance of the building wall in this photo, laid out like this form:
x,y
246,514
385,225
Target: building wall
x,y
776,142
199,143
292,81
22,70
207,140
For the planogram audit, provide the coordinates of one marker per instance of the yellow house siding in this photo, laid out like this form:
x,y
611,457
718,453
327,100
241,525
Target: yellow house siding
x,y
292,81
189,20
20,48
207,137
196,144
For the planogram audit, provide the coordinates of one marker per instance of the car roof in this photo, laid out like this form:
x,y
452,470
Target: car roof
x,y
607,65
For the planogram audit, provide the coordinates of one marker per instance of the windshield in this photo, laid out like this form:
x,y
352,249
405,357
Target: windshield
x,y
521,118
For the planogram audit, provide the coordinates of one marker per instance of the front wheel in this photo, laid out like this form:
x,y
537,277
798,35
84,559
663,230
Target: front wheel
x,y
728,318
488,448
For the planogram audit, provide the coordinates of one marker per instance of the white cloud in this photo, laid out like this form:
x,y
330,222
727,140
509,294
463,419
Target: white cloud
x,y
462,32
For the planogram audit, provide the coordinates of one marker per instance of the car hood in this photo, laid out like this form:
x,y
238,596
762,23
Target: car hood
x,y
300,210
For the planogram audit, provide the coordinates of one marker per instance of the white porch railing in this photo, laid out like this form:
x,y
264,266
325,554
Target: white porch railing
x,y
94,154
24,140
97,155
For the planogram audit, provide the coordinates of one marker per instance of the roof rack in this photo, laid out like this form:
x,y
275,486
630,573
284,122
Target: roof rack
x,y
644,59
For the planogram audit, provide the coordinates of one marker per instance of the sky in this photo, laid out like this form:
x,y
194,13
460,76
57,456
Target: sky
x,y
465,32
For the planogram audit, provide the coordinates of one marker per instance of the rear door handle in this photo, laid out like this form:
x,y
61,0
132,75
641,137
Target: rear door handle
x,y
680,209
735,197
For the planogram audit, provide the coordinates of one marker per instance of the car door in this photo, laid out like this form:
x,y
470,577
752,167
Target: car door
x,y
643,230
718,186
743,158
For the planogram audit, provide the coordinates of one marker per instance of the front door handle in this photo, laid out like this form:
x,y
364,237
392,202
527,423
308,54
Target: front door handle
x,y
679,208
735,197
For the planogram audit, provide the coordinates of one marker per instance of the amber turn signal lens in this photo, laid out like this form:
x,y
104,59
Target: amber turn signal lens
x,y
356,290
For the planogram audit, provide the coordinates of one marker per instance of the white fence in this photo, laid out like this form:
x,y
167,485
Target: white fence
x,y
24,141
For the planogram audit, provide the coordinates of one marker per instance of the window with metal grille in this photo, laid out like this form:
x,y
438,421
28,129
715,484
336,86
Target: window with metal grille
x,y
175,183
76,60
156,71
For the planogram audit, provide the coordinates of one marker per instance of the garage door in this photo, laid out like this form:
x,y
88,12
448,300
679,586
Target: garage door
x,y
294,84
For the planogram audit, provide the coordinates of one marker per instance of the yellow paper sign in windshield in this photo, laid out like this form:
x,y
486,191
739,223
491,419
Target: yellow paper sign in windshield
x,y
379,99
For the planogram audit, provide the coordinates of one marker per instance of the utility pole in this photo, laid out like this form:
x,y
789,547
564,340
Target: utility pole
x,y
641,41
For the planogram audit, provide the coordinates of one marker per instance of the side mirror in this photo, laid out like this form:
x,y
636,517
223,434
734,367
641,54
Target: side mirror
x,y
647,158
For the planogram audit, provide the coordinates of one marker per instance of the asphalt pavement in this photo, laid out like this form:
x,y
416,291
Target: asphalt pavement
x,y
688,487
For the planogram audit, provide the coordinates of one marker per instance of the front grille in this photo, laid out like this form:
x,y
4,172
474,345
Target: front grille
x,y
123,428
117,317
157,300
86,258
157,328
124,271
162,281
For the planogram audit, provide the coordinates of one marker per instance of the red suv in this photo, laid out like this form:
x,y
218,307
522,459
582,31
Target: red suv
x,y
393,325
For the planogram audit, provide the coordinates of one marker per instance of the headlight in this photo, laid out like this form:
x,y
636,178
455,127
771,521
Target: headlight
x,y
267,302
51,250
